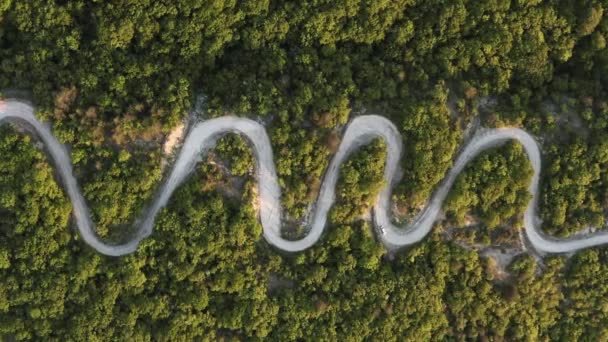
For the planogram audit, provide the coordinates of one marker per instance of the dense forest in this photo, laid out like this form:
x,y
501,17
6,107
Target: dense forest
x,y
115,79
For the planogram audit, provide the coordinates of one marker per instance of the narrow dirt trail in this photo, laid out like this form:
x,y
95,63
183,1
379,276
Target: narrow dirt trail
x,y
359,132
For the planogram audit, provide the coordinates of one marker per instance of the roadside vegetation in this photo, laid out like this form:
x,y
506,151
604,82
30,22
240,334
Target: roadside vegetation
x,y
114,78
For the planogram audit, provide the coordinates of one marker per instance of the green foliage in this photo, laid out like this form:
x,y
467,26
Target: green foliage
x,y
574,195
430,142
590,20
118,188
301,158
235,150
114,77
37,251
361,179
495,184
586,314
203,274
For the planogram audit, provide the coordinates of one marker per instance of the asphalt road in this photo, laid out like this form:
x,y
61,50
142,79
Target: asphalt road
x,y
361,130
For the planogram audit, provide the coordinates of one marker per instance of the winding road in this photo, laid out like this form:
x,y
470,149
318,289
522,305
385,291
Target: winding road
x,y
360,131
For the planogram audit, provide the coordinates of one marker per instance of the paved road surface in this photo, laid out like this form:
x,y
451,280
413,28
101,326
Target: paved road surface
x,y
360,131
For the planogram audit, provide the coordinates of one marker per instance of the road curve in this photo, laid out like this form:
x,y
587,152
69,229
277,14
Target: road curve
x,y
360,131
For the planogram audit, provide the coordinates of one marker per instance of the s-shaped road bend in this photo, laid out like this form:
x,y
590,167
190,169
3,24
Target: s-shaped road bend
x,y
360,131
